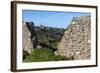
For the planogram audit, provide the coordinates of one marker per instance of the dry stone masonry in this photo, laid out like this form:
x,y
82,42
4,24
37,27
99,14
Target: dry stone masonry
x,y
26,40
29,36
76,41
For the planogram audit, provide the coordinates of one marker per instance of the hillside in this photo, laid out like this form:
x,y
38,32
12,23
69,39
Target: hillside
x,y
48,35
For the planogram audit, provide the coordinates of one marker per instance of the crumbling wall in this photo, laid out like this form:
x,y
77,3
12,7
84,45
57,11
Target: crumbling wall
x,y
76,41
26,39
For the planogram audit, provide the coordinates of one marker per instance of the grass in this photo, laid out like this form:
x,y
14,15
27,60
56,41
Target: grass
x,y
43,54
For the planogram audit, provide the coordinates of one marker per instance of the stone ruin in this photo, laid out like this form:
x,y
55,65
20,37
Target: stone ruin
x,y
29,39
26,40
76,41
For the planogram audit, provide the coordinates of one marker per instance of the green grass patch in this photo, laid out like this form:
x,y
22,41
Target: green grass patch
x,y
43,54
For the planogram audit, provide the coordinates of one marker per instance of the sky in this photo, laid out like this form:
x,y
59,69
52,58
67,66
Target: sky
x,y
50,18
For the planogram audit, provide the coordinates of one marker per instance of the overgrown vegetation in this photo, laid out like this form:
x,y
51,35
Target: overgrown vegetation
x,y
44,54
48,35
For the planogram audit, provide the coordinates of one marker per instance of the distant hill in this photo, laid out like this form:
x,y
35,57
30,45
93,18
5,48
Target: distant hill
x,y
41,36
49,36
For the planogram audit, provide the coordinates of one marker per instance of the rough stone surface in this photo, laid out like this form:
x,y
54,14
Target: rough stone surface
x,y
76,41
26,39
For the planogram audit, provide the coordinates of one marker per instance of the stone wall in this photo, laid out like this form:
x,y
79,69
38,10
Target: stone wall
x,y
26,39
76,41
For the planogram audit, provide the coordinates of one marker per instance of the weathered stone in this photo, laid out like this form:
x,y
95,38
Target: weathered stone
x,y
26,39
33,36
76,41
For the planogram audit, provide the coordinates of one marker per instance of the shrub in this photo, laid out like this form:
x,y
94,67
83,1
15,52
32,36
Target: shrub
x,y
25,54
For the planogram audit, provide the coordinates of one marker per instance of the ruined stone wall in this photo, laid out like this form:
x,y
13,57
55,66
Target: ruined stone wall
x,y
26,40
76,41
